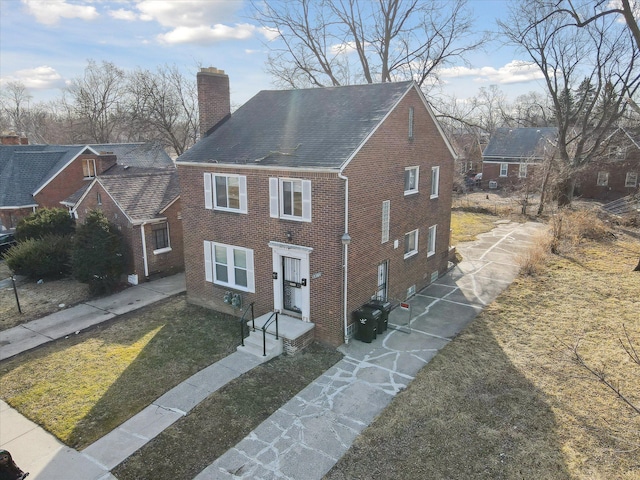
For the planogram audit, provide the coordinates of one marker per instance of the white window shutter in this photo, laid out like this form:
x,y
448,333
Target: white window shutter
x,y
208,193
243,193
386,208
251,286
208,270
273,197
306,200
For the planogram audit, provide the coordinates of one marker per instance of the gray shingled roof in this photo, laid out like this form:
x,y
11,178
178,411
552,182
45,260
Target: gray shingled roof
x,y
514,144
143,195
318,127
25,168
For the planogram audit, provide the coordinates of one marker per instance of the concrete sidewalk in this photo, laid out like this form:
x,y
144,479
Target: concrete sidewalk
x,y
309,434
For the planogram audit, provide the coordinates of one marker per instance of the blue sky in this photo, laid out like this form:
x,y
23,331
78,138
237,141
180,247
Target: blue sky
x,y
45,43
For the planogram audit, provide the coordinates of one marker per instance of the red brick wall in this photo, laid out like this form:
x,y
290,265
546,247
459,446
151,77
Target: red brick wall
x,y
587,182
377,174
491,171
214,101
171,262
9,218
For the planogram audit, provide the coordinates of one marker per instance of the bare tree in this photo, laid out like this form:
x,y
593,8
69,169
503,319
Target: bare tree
x,y
589,72
163,105
14,103
339,42
95,102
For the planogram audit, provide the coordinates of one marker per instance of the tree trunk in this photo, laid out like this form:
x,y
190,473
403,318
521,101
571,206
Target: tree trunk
x,y
566,192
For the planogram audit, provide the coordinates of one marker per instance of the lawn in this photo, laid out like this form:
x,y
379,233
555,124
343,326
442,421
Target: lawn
x,y
507,399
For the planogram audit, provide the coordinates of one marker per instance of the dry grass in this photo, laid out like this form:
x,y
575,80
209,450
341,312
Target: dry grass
x,y
507,400
81,387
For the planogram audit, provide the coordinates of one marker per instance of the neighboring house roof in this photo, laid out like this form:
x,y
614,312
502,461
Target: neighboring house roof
x,y
518,144
26,169
317,128
141,195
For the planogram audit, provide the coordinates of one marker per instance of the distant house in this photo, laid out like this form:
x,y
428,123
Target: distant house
x,y
513,154
616,173
311,202
145,205
33,176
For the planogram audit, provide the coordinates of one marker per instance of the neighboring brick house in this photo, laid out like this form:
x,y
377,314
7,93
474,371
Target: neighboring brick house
x,y
145,206
513,154
617,173
311,202
33,176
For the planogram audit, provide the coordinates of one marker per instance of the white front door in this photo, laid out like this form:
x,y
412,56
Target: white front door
x,y
291,286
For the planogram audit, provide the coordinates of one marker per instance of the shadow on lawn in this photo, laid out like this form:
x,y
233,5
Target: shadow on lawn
x,y
470,413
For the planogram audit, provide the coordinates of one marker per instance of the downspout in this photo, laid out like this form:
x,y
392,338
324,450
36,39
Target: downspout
x,y
144,251
346,239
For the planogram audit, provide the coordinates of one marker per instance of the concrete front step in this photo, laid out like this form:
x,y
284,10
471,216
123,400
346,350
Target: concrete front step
x,y
254,346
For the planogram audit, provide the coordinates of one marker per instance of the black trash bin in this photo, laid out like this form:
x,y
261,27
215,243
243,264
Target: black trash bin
x,y
366,319
385,308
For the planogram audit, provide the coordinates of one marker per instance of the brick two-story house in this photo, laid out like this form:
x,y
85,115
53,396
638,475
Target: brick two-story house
x,y
311,202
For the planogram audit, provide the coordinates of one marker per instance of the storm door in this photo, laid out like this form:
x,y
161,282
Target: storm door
x,y
292,285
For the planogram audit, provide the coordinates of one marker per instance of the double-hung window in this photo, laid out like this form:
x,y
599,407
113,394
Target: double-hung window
x,y
88,168
435,181
522,171
290,199
229,266
411,175
161,241
431,241
410,243
603,179
631,179
386,210
504,169
225,192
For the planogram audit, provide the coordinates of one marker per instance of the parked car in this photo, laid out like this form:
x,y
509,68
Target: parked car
x,y
6,242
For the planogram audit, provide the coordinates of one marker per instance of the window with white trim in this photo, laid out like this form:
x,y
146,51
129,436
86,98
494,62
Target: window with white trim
x,y
411,175
229,266
522,171
161,242
431,241
290,199
504,169
631,179
603,179
435,181
88,168
411,123
386,208
410,243
225,192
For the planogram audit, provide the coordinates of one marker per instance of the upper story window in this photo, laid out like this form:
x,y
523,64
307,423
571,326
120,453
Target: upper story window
x,y
411,180
161,238
229,266
225,192
504,169
435,181
603,179
631,179
410,123
410,243
386,207
522,171
290,199
88,167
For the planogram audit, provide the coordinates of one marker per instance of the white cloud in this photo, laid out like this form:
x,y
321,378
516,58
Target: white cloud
x,y
49,12
122,14
189,13
343,48
269,33
35,78
204,35
516,71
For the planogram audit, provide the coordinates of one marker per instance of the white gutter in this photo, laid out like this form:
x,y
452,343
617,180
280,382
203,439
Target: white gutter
x,y
144,251
346,239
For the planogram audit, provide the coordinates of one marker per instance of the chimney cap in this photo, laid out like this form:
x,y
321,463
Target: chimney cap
x,y
212,70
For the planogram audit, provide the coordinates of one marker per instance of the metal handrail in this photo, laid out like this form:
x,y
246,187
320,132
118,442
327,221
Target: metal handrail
x,y
242,320
264,332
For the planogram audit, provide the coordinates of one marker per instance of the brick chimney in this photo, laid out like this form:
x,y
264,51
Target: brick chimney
x,y
13,139
214,102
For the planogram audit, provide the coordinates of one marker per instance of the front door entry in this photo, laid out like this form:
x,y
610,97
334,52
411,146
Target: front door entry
x,y
292,285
